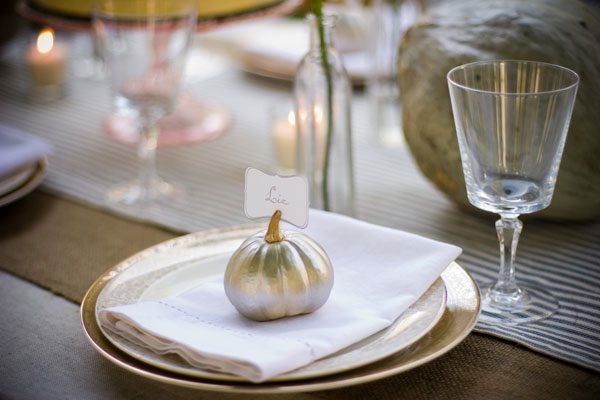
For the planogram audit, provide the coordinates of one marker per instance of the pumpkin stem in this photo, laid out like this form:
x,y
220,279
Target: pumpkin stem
x,y
274,235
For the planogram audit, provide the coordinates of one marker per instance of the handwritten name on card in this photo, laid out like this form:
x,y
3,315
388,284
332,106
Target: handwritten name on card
x,y
266,194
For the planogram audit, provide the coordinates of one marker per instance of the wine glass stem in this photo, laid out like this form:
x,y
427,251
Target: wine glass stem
x,y
508,229
147,158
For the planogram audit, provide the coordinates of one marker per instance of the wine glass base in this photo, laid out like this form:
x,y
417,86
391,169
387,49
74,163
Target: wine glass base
x,y
133,194
191,122
532,303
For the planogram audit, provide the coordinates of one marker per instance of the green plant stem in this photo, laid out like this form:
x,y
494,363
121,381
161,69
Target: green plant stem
x,y
317,9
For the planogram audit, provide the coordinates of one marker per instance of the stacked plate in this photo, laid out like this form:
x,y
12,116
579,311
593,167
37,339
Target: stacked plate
x,y
23,163
437,322
19,182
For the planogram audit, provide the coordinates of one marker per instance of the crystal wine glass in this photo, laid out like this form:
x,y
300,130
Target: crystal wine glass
x,y
511,121
144,45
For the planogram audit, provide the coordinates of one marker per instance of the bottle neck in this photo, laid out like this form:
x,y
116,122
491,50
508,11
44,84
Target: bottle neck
x,y
328,28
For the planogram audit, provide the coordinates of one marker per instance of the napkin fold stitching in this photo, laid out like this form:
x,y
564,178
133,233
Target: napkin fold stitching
x,y
234,331
205,322
312,350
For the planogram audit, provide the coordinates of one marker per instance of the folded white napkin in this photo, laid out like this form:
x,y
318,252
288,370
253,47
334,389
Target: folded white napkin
x,y
18,148
379,273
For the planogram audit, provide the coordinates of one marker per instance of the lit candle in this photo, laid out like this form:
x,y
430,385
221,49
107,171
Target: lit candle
x,y
284,133
319,130
284,141
46,60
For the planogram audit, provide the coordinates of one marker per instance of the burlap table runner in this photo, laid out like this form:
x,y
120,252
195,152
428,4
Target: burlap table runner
x,y
64,246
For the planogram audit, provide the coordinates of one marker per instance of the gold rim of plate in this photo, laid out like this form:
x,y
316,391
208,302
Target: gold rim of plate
x,y
79,19
206,8
459,317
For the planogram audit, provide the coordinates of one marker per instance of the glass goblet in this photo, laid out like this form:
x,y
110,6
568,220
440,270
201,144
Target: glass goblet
x,y
144,45
511,122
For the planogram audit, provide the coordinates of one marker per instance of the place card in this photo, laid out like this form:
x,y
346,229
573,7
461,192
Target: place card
x,y
265,194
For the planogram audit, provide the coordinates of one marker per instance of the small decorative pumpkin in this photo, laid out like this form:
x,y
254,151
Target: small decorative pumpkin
x,y
274,275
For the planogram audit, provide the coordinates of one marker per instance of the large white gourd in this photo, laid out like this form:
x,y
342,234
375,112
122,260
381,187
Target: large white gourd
x,y
564,32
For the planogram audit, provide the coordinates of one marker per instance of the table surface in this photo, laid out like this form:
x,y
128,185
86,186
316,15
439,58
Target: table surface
x,y
44,354
50,244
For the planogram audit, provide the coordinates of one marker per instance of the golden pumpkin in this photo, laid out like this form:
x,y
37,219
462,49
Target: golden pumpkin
x,y
272,275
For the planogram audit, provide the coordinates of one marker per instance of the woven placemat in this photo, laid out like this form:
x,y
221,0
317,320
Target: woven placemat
x,y
64,246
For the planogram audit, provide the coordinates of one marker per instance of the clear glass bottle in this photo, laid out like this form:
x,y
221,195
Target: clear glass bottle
x,y
324,151
390,19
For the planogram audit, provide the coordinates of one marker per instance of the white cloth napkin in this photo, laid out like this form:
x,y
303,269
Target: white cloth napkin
x,y
379,273
18,148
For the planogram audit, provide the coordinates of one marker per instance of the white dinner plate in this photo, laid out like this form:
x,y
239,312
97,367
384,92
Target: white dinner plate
x,y
282,66
274,48
183,264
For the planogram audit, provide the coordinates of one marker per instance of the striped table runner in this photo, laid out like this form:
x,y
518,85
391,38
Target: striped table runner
x,y
390,191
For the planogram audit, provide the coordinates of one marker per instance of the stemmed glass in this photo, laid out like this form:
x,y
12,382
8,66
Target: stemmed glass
x,y
511,121
144,45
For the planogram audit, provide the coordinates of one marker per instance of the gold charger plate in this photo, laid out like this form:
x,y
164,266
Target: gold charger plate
x,y
76,15
458,319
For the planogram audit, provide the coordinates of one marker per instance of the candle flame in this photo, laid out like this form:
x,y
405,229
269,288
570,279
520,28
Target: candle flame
x,y
292,117
45,40
318,113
